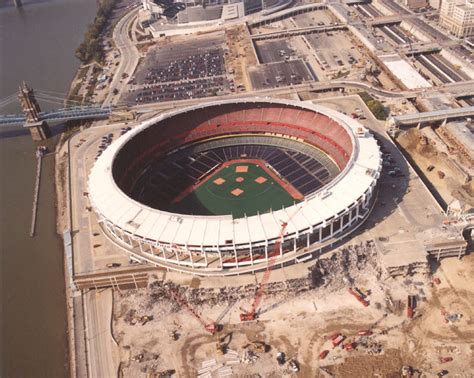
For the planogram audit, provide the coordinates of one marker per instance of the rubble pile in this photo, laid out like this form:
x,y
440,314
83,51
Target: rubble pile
x,y
348,263
343,268
370,344
159,291
249,357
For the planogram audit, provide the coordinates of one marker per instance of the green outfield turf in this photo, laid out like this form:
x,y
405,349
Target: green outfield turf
x,y
229,191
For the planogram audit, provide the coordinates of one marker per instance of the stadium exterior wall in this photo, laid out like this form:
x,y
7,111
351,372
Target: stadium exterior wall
x,y
294,249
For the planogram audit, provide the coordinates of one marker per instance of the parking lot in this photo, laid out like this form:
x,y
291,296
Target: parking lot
x,y
274,51
280,74
197,65
184,90
181,70
330,58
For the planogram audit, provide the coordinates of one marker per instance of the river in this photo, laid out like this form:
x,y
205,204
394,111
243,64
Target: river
x,y
37,44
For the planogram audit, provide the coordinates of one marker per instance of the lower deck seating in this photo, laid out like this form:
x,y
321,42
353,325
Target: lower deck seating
x,y
165,179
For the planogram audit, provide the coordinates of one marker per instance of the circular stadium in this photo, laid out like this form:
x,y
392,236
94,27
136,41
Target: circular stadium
x,y
231,187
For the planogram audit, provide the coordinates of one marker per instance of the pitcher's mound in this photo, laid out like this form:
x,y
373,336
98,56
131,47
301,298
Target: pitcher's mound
x,y
219,181
237,192
239,179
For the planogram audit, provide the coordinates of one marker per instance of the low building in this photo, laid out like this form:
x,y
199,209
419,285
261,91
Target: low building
x,y
457,16
415,4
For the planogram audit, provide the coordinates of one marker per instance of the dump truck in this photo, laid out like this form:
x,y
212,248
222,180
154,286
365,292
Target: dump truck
x,y
445,359
336,341
323,354
358,297
349,346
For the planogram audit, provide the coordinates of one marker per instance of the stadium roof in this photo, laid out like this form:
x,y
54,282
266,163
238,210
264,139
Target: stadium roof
x,y
212,231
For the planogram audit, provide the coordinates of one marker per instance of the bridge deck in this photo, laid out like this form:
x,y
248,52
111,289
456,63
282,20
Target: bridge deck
x,y
64,114
437,115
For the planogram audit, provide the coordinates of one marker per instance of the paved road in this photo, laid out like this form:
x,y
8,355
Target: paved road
x,y
98,305
455,88
129,55
417,21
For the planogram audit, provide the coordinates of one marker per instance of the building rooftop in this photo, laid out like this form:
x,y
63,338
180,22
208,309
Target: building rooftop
x,y
404,72
197,14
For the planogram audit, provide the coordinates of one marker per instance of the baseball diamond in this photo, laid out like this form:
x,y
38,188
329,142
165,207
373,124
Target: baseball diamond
x,y
238,189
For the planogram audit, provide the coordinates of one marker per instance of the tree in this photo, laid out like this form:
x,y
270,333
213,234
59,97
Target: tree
x,y
90,48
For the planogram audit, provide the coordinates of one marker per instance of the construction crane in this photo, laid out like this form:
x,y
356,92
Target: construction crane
x,y
252,314
212,328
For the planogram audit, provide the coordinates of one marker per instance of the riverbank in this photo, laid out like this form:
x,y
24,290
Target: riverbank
x,y
34,334
85,84
61,178
81,90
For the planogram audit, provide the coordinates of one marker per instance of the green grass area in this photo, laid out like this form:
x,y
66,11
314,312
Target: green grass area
x,y
375,106
213,199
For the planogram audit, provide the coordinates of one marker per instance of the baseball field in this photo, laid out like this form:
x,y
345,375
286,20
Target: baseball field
x,y
244,187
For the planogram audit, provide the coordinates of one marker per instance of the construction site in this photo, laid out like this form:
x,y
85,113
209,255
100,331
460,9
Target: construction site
x,y
342,316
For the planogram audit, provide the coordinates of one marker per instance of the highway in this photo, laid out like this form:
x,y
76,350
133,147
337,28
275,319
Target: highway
x,y
128,55
297,31
441,70
417,21
307,86
453,88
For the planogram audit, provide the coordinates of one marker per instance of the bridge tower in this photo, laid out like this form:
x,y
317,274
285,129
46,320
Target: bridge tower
x,y
39,129
17,3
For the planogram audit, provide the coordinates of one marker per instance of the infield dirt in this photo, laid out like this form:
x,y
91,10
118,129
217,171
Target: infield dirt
x,y
239,187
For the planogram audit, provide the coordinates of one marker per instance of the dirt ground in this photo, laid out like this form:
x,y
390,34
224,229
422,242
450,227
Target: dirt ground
x,y
297,317
240,56
453,185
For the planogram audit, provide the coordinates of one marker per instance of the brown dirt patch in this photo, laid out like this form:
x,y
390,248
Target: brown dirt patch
x,y
219,181
241,169
237,192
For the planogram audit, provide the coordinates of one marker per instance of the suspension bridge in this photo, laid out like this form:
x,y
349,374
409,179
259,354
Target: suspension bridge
x,y
32,113
63,114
